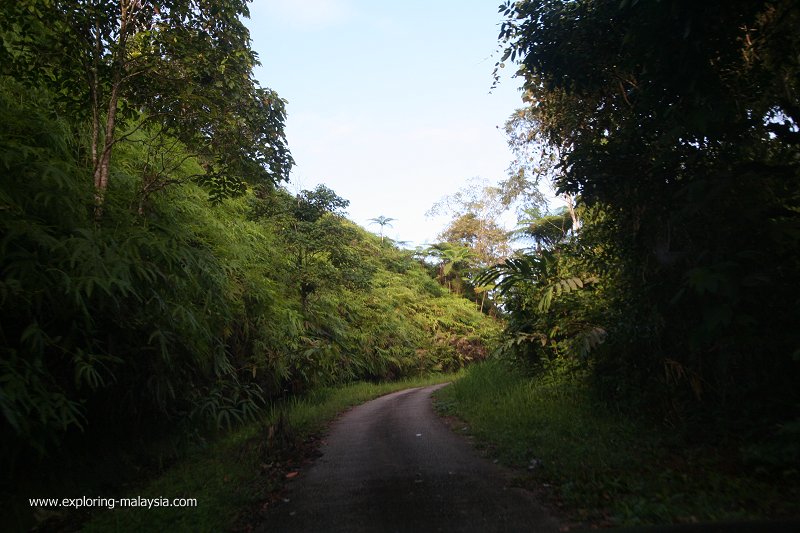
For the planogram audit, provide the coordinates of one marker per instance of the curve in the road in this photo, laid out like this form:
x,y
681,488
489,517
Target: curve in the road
x,y
393,465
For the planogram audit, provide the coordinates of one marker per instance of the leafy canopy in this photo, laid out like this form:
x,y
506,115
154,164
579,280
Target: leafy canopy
x,y
181,68
676,124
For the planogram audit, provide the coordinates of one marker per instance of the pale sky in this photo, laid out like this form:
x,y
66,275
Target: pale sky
x,y
389,102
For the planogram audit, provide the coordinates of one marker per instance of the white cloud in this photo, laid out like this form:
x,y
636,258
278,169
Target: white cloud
x,y
309,14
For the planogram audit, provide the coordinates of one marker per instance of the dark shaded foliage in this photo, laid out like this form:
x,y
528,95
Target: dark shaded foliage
x,y
676,123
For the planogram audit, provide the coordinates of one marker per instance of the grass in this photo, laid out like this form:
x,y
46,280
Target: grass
x,y
235,476
601,468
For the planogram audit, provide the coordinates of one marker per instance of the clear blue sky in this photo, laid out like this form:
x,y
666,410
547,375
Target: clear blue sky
x,y
389,101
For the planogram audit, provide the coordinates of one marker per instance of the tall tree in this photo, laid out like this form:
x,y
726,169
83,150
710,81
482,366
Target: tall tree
x,y
454,262
476,210
535,166
176,67
382,221
546,231
317,237
676,123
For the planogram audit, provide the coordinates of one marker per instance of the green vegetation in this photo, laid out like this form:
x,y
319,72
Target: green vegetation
x,y
160,291
671,278
141,333
599,466
153,301
234,477
472,241
652,324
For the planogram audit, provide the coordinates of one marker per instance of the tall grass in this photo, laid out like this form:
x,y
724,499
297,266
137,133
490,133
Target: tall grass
x,y
601,467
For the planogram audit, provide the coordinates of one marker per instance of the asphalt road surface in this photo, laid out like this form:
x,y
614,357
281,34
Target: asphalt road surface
x,y
393,465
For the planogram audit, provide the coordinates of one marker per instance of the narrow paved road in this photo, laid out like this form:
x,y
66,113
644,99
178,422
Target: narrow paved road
x,y
392,465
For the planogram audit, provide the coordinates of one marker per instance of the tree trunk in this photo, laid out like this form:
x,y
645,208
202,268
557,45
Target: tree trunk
x,y
103,165
571,207
102,161
95,92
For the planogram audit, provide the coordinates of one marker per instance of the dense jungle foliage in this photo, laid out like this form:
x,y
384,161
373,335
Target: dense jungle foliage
x,y
157,279
674,124
181,289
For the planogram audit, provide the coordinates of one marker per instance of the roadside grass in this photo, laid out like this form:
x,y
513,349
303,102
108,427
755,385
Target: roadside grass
x,y
234,477
601,468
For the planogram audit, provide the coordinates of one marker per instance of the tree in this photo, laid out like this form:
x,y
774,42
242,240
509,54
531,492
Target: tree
x,y
176,68
451,257
476,211
382,221
535,167
317,237
532,167
676,124
548,230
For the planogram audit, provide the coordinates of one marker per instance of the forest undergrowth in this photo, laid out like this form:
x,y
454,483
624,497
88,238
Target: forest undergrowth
x,y
600,467
134,337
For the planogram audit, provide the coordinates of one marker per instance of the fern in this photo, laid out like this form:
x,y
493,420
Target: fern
x,y
563,286
178,313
